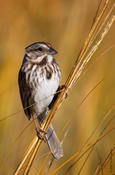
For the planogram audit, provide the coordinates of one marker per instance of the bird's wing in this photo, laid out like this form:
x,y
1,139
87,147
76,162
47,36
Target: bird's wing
x,y
25,93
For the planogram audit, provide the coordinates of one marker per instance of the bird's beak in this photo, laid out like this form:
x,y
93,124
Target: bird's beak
x,y
52,51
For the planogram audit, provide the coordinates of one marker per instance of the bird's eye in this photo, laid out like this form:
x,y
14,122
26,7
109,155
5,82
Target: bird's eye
x,y
40,49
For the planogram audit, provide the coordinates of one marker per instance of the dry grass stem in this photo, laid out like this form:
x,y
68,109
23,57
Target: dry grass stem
x,y
94,48
28,154
99,28
105,162
85,161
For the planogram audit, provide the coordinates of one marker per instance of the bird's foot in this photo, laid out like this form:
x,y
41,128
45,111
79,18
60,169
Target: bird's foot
x,y
61,88
64,87
39,134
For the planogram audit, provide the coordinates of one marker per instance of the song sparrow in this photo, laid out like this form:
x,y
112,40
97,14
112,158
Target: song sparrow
x,y
39,79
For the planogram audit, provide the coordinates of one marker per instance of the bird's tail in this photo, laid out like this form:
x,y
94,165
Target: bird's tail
x,y
52,139
54,143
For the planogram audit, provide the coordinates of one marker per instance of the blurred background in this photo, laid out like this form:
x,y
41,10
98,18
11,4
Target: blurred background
x,y
65,24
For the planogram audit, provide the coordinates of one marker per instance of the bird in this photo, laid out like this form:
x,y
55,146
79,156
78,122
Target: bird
x,y
39,85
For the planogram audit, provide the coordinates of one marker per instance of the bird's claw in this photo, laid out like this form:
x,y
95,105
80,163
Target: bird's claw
x,y
64,87
40,136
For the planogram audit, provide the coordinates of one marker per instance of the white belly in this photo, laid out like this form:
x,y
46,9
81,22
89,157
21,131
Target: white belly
x,y
45,92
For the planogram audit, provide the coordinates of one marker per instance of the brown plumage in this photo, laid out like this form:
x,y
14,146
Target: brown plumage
x,y
39,79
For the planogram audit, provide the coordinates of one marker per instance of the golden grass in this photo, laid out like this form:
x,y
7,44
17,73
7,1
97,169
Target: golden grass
x,y
74,75
82,156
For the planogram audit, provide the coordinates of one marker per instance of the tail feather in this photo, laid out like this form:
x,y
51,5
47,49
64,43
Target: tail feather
x,y
52,139
54,143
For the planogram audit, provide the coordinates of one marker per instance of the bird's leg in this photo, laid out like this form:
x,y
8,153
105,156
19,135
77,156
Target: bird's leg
x,y
60,88
63,87
38,130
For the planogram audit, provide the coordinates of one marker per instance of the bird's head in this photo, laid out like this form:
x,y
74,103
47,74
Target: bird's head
x,y
37,51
